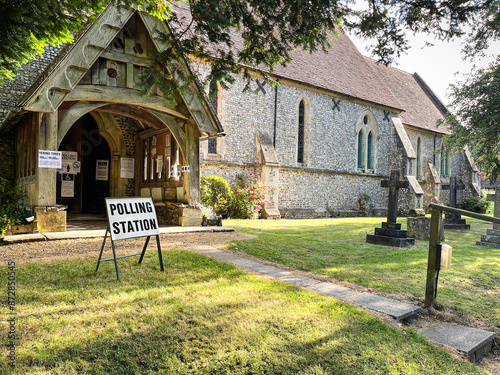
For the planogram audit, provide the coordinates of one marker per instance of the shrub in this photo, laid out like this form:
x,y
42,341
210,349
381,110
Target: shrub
x,y
364,204
215,193
474,204
248,197
10,195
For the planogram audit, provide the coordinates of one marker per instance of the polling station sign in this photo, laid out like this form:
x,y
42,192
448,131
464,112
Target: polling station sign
x,y
131,217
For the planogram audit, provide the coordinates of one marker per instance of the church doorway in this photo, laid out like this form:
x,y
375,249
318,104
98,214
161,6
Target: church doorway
x,y
84,180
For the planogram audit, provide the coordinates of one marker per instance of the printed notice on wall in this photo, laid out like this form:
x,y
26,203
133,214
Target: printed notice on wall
x,y
101,170
127,167
70,163
49,159
68,185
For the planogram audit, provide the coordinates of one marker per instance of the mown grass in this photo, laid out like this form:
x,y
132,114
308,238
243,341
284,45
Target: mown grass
x,y
338,248
199,317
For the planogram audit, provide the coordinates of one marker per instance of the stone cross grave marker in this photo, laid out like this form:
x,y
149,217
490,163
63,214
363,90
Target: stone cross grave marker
x,y
453,187
391,233
492,236
394,184
454,221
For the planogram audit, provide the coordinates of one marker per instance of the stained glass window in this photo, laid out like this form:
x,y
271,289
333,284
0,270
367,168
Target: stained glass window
x,y
370,151
445,168
361,150
419,158
300,147
213,98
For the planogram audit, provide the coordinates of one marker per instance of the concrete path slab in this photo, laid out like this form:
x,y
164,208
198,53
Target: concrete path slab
x,y
298,280
473,342
246,263
271,271
400,311
333,290
74,234
24,238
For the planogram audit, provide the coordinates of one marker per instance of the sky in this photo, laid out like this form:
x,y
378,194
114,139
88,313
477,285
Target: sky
x,y
439,65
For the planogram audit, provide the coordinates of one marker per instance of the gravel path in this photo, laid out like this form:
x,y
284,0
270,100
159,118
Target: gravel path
x,y
47,251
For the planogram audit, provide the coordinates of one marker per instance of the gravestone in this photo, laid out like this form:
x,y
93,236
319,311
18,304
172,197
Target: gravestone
x,y
391,233
492,236
454,221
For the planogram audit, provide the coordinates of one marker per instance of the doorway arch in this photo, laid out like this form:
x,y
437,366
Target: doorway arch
x,y
84,192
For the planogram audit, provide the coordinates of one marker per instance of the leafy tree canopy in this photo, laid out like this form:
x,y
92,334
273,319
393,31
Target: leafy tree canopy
x,y
476,121
269,28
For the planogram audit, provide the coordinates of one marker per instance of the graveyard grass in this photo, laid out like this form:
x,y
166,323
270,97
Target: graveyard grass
x,y
337,248
202,317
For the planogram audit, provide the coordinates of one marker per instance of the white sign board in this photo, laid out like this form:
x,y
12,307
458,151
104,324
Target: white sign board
x,y
101,170
49,159
68,185
70,163
127,167
131,217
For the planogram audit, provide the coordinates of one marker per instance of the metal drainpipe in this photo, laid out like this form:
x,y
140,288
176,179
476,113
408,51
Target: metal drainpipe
x,y
275,111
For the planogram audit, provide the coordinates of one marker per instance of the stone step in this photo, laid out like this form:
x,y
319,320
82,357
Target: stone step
x,y
474,343
387,225
457,227
488,244
396,233
493,232
401,311
490,238
389,241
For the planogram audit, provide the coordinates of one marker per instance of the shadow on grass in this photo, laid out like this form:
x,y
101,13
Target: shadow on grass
x,y
202,317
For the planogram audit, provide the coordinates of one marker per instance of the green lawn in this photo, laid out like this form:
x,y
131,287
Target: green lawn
x,y
200,317
337,248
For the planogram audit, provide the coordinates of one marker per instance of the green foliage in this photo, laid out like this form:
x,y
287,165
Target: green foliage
x,y
475,204
476,122
248,197
215,193
239,34
388,22
9,198
330,210
28,26
364,208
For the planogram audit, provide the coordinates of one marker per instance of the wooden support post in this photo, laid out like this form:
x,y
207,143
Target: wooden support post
x,y
436,222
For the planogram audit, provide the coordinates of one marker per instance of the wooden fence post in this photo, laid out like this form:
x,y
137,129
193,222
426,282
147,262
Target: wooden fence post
x,y
436,221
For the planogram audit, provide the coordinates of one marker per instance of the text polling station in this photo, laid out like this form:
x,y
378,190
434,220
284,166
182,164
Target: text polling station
x,y
130,218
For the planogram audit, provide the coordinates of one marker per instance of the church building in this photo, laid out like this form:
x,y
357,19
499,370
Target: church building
x,y
75,128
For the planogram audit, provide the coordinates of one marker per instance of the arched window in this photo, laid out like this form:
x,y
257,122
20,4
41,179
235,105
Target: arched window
x,y
300,133
361,150
213,99
367,133
370,152
445,167
419,158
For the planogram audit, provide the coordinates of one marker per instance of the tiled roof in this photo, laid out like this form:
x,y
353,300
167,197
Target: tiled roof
x,y
342,70
421,106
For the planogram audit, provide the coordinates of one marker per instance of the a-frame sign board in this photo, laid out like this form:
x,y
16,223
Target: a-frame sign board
x,y
130,218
